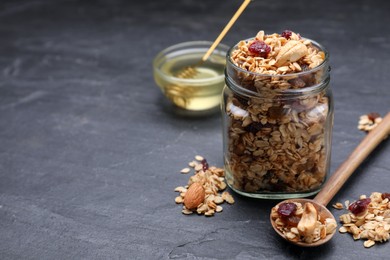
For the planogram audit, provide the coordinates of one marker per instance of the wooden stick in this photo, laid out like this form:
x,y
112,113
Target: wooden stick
x,y
366,146
226,29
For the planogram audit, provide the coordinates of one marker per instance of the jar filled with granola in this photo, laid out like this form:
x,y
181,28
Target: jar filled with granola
x,y
277,116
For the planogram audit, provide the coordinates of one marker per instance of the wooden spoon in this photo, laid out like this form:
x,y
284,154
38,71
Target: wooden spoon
x,y
336,181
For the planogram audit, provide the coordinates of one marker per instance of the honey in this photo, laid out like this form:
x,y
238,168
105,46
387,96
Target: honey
x,y
201,91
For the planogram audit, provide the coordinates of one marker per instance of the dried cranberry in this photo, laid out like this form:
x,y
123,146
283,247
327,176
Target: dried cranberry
x,y
259,48
243,101
359,206
304,67
291,221
257,126
277,112
386,196
286,209
297,82
205,165
372,116
309,78
286,34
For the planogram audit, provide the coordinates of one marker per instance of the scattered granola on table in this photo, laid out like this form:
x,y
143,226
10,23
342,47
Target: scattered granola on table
x,y
369,121
301,223
368,219
278,144
202,194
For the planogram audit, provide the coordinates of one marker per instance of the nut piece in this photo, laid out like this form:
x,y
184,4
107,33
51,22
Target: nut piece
x,y
194,196
290,52
307,224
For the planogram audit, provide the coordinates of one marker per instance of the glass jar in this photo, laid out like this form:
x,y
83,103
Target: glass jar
x,y
277,131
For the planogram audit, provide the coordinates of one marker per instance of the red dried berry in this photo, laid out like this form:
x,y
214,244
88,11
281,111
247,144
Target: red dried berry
x,y
386,196
291,221
205,165
359,206
372,116
259,48
285,210
286,34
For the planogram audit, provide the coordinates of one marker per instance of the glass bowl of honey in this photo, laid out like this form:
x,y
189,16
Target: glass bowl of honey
x,y
198,90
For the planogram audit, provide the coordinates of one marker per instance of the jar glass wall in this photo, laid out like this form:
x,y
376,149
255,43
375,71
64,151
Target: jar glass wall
x,y
277,131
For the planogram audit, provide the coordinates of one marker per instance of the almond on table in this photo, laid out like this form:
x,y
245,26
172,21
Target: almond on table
x,y
202,192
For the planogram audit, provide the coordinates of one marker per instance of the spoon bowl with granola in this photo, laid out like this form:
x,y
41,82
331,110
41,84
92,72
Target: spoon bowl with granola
x,y
309,223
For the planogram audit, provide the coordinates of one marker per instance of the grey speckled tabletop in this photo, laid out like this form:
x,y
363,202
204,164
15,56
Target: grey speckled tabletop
x,y
90,150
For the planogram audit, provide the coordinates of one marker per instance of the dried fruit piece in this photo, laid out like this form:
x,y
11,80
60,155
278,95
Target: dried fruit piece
x,y
259,48
194,196
287,209
373,115
385,196
291,221
359,207
286,34
205,165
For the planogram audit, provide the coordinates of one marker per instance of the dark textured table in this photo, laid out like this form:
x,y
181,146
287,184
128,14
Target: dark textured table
x,y
90,151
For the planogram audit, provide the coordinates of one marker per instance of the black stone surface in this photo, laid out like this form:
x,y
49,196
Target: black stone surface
x,y
90,151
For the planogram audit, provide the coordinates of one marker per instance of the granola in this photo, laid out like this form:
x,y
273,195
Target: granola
x,y
213,183
371,223
303,223
277,143
369,121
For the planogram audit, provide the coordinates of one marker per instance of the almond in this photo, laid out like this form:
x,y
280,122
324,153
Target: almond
x,y
307,224
291,52
194,196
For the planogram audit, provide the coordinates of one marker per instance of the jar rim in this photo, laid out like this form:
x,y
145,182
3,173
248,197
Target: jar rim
x,y
284,93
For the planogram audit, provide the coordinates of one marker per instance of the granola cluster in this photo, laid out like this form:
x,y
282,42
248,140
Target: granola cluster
x,y
369,121
277,142
211,185
287,55
372,223
303,223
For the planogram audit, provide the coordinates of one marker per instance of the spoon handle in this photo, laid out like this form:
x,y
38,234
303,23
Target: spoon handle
x,y
366,146
226,29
